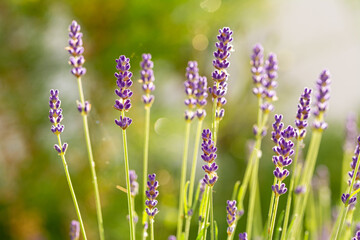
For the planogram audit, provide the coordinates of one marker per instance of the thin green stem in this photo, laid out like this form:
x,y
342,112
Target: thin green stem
x,y
128,193
271,208
273,218
207,208
291,189
182,181
145,165
212,235
92,164
72,191
152,229
344,211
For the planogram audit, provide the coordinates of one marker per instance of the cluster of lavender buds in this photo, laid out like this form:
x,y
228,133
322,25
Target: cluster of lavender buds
x,y
243,236
84,108
356,184
357,236
147,79
283,151
231,211
55,117
76,50
201,95
351,132
124,83
322,99
192,77
134,185
264,77
151,195
74,230
220,75
303,114
209,156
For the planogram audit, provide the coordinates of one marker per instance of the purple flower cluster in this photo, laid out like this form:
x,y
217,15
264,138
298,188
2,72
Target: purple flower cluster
x,y
76,50
55,117
147,79
74,230
209,156
231,211
322,99
151,195
303,113
220,75
192,78
134,185
283,151
201,95
243,236
357,236
264,77
124,82
84,108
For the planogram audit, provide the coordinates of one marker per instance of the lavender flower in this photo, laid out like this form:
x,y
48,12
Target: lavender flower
x,y
303,113
147,79
322,99
124,93
257,69
201,95
55,117
134,185
220,75
269,83
172,237
231,210
84,108
151,195
283,151
351,132
209,156
202,189
74,230
357,236
243,236
192,77
354,161
76,50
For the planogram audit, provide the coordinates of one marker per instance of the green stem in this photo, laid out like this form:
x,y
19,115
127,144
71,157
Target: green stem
x,y
273,218
207,208
342,220
92,164
72,191
152,229
182,181
128,193
271,208
291,189
145,165
192,176
212,215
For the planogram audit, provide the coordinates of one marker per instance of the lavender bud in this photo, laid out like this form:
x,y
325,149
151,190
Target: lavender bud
x,y
322,99
147,79
84,108
191,84
231,210
209,156
243,236
357,236
151,195
172,237
76,50
134,185
74,230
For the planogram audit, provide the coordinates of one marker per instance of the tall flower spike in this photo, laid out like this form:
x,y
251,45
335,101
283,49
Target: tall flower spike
x,y
76,50
201,95
209,156
322,99
220,74
257,69
55,117
269,83
192,78
151,195
283,151
74,230
147,79
231,211
124,82
134,185
303,113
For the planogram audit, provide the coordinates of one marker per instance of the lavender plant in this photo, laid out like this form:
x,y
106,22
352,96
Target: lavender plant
x,y
55,117
151,201
123,105
148,86
74,230
77,60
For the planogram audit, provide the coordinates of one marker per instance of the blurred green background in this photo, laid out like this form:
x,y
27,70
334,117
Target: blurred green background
x,y
34,198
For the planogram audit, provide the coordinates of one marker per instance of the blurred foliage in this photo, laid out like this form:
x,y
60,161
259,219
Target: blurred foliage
x,y
35,202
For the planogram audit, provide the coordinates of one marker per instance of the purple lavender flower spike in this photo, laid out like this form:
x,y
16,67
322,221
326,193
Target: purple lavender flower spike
x,y
151,195
303,114
231,210
76,50
220,74
124,82
201,95
74,230
209,156
257,69
243,236
322,99
147,79
269,83
191,85
134,185
357,236
351,132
